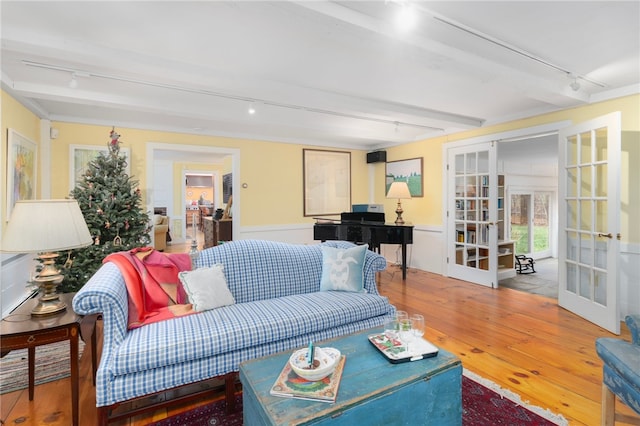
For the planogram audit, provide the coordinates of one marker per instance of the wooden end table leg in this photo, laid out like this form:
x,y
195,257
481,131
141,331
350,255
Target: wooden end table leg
x,y
94,353
88,335
230,391
75,391
32,367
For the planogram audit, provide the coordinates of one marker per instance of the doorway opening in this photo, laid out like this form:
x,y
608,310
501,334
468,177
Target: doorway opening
x,y
530,167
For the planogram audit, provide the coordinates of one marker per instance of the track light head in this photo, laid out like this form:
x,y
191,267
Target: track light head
x,y
251,109
73,83
575,84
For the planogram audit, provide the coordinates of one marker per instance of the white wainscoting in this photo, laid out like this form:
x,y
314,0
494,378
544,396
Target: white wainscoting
x,y
14,276
629,279
293,234
426,252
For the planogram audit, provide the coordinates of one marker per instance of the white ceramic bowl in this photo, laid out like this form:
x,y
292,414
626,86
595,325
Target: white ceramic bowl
x,y
328,358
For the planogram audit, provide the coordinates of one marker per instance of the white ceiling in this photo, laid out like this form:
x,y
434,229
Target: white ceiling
x,y
324,73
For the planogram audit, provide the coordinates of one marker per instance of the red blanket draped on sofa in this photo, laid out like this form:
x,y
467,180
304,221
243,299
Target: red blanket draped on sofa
x,y
155,291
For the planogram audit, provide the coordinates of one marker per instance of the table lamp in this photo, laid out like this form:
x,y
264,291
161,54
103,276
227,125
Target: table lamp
x,y
399,190
45,227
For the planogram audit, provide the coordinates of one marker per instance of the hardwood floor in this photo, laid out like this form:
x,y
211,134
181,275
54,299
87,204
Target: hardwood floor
x,y
523,342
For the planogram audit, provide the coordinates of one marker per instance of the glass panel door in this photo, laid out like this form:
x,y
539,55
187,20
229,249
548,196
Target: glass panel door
x,y
531,221
589,220
541,217
472,249
520,222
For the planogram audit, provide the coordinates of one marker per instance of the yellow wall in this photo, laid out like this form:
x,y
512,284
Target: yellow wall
x,y
272,171
630,194
428,209
17,117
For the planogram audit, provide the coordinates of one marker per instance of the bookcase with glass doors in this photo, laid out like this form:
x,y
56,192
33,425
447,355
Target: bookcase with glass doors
x,y
472,225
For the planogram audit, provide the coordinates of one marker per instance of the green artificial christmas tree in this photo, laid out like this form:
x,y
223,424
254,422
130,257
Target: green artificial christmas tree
x,y
110,201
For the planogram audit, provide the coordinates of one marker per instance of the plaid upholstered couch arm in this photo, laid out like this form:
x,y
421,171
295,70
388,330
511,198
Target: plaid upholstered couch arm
x,y
106,293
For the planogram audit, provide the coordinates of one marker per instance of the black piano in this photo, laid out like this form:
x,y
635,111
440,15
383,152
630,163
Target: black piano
x,y
366,228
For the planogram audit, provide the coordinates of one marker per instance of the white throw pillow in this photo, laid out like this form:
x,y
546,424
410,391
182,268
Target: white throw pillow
x,y
207,288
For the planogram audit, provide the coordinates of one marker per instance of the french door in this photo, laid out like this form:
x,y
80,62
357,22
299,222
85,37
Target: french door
x,y
589,158
531,219
475,205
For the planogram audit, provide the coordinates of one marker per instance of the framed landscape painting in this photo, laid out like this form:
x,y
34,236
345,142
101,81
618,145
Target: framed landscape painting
x,y
22,167
409,171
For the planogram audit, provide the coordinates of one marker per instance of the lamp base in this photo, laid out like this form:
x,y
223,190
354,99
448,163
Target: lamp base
x,y
48,305
399,211
49,302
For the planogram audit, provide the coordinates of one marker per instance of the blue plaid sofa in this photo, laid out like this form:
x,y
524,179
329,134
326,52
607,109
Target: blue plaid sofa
x,y
279,306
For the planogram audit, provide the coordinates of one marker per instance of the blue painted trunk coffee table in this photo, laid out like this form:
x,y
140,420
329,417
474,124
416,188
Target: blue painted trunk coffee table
x,y
372,391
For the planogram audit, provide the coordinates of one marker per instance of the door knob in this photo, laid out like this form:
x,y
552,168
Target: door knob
x,y
605,235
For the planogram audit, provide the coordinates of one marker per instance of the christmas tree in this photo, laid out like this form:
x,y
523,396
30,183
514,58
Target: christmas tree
x,y
110,201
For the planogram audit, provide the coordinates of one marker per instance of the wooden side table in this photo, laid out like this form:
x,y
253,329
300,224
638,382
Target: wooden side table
x,y
20,330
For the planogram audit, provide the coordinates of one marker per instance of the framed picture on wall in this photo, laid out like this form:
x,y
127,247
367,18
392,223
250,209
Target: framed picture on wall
x,y
409,171
81,155
326,182
227,187
22,168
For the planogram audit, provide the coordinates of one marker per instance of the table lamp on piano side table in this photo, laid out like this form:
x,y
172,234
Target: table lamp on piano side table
x,y
399,190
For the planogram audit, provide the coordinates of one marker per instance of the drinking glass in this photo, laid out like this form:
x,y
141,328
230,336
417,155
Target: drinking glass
x,y
402,315
417,325
391,328
405,330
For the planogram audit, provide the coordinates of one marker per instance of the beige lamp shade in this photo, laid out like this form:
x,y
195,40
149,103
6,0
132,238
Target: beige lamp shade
x,y
399,190
39,226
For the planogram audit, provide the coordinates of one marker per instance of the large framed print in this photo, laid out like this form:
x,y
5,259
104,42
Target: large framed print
x,y
409,171
326,182
22,168
81,155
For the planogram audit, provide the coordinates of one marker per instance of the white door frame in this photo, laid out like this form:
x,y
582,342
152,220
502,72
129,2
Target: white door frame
x,y
152,147
512,134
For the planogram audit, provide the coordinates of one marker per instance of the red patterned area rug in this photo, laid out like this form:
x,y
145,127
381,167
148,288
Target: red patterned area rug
x,y
483,403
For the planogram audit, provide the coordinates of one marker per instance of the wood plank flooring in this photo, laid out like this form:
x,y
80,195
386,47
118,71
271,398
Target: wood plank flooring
x,y
523,342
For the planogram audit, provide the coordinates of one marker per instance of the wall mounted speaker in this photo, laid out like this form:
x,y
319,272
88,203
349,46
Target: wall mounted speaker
x,y
376,157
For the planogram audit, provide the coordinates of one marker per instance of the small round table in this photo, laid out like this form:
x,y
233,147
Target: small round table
x,y
20,330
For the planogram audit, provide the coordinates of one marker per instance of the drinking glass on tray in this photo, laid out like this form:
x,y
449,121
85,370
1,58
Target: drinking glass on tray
x,y
417,325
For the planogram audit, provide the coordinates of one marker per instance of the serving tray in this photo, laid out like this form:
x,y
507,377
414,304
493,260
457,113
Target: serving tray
x,y
396,351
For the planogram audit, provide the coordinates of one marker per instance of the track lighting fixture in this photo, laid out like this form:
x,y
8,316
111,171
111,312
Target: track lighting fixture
x,y
73,83
252,109
575,84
